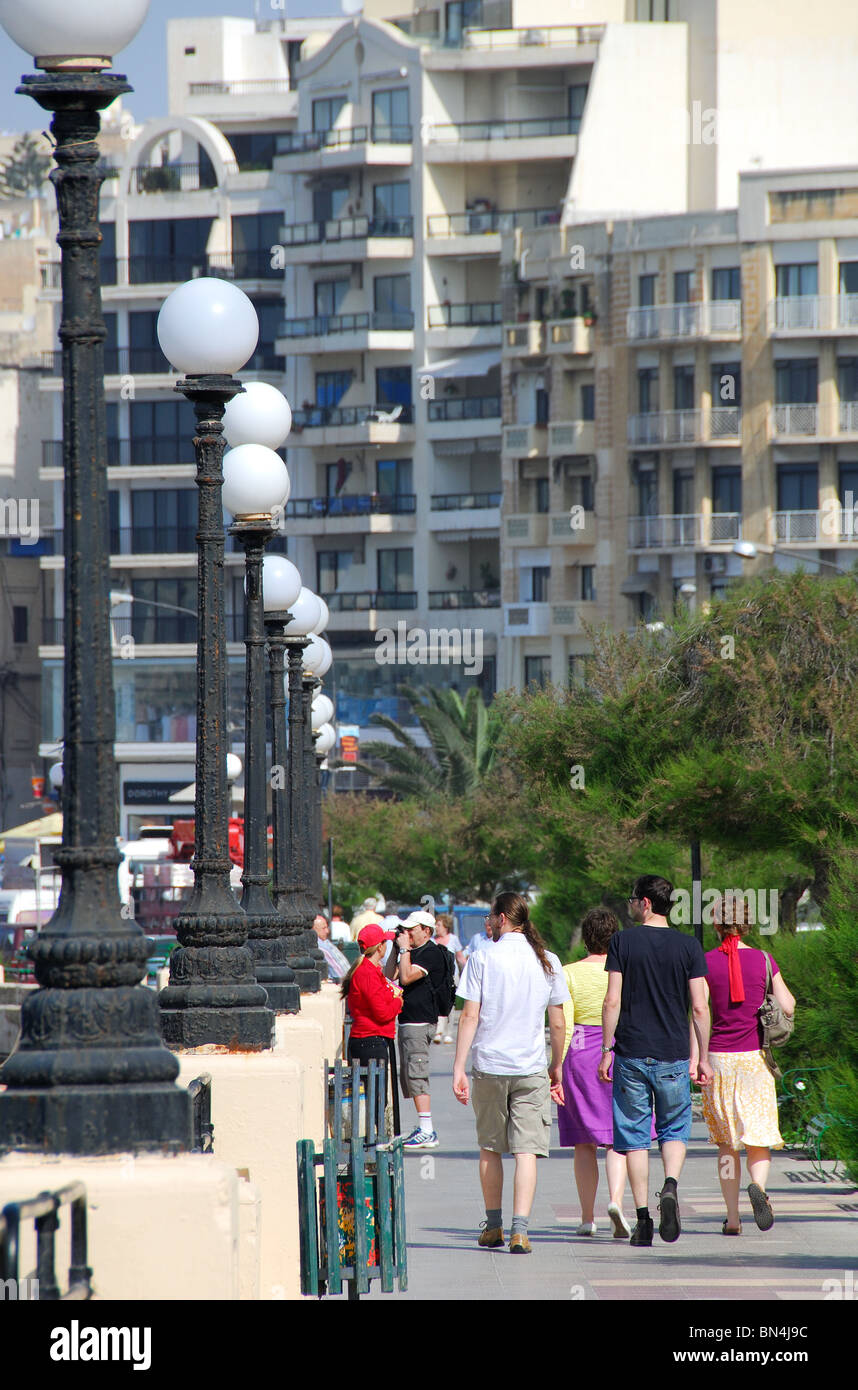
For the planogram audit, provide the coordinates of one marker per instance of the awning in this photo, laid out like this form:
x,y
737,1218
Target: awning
x,y
639,584
188,795
466,364
36,829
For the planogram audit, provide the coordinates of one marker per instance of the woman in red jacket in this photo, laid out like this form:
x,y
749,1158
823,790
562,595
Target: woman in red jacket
x,y
373,1003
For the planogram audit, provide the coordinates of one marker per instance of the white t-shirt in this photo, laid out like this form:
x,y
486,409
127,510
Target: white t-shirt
x,y
340,931
513,992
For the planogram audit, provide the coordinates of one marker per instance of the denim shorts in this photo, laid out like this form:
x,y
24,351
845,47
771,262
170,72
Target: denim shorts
x,y
641,1085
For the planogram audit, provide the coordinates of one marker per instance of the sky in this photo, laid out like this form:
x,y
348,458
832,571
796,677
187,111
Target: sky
x,y
143,61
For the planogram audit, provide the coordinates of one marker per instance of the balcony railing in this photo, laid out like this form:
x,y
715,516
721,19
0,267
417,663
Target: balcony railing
x,y
466,408
685,426
476,315
367,601
464,598
175,270
449,224
130,453
464,501
302,141
812,312
126,361
259,87
685,320
533,128
175,178
346,229
320,325
792,527
332,416
832,524
360,504
549,36
165,540
679,532
148,628
795,419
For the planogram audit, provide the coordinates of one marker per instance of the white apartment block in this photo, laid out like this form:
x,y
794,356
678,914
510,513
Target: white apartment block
x,y
373,184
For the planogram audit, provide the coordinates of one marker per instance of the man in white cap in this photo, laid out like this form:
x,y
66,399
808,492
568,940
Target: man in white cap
x,y
421,969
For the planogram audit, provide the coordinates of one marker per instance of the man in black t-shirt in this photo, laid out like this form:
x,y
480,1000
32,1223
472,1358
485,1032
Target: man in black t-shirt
x,y
422,973
653,972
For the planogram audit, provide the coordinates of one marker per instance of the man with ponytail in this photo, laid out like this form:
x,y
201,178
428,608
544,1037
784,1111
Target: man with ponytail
x,y
507,991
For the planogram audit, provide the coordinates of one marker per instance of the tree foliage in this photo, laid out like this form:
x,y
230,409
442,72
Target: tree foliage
x,y
23,172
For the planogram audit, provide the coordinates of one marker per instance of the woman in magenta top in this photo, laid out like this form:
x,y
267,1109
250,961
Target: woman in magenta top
x,y
740,1106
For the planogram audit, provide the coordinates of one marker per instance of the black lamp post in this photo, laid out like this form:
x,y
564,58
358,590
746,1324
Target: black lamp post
x,y
90,1074
208,328
316,751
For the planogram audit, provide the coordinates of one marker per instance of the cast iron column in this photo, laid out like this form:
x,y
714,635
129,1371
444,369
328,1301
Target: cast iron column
x,y
213,996
319,839
312,791
296,903
305,953
90,1074
270,949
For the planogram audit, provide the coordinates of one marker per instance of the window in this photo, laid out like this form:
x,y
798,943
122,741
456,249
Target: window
x,y
726,490
537,670
163,520
683,492
20,625
683,388
847,378
391,207
647,489
542,491
331,387
265,359
588,583
107,253
252,149
647,390
646,291
395,571
793,280
393,386
536,582
727,282
581,492
461,15
726,383
168,249
848,277
646,608
253,238
329,204
577,101
798,487
162,432
328,296
394,478
151,624
113,522
543,409
331,567
146,354
682,286
796,381
391,118
325,112
392,301
588,402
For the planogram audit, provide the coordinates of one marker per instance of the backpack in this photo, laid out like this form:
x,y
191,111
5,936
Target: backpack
x,y
445,996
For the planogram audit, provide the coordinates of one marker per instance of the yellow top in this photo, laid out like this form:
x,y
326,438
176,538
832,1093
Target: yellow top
x,y
588,985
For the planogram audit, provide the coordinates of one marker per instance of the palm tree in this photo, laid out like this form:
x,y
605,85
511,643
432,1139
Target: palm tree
x,y
461,739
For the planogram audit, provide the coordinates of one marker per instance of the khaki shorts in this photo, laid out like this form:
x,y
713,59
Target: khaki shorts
x,y
415,1044
513,1113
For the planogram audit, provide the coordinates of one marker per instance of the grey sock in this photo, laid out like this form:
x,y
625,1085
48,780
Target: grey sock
x,y
519,1226
494,1218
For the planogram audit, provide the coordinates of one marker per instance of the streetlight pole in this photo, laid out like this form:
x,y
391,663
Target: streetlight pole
x,y
90,1074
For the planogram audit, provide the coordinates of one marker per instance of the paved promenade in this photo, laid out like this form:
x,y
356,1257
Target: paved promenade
x,y
814,1239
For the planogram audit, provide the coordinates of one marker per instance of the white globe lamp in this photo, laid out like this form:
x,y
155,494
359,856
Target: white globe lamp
x,y
255,481
321,712
55,776
281,584
260,415
324,619
317,657
305,614
326,740
83,34
208,327
233,767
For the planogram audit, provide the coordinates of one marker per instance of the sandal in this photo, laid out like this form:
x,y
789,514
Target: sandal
x,y
727,1231
762,1207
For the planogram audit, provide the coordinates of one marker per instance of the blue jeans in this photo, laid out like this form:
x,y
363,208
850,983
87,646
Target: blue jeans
x,y
642,1084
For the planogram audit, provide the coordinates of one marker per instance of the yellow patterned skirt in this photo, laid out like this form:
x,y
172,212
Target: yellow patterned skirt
x,y
740,1105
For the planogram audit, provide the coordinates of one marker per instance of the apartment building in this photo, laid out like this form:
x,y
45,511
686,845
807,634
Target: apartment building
x,y
721,406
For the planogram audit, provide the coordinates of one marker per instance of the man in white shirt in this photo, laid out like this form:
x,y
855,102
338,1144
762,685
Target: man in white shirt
x,y
507,991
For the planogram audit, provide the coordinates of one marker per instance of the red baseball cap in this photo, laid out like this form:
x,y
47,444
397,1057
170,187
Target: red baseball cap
x,y
373,934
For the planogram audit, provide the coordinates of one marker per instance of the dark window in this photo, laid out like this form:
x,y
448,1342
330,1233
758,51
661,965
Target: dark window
x,y
647,489
682,287
113,521
543,407
252,149
588,402
391,202
683,388
253,238
727,282
795,280
168,249
163,520
146,354
331,567
542,495
647,390
394,477
726,383
849,486
160,624
328,296
331,387
395,571
798,487
107,253
325,112
646,290
726,489
683,492
391,116
265,359
796,381
392,297
20,625
393,386
577,102
461,15
537,670
540,578
588,583
329,204
645,607
849,277
162,432
847,378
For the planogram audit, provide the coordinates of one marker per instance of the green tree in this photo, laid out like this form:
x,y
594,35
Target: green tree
x,y
23,172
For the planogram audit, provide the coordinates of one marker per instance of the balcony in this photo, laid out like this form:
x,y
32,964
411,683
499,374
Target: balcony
x,y
313,151
118,276
568,619
151,362
526,441
347,238
833,524
694,531
800,315
527,619
149,629
465,501
464,417
476,232
349,332
464,598
353,424
572,437
524,339
719,425
456,515
148,545
350,514
526,529
572,337
490,48
175,178
575,527
540,138
456,326
359,612
260,97
715,318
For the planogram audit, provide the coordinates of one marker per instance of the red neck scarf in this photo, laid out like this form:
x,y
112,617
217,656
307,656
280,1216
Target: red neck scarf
x,y
730,947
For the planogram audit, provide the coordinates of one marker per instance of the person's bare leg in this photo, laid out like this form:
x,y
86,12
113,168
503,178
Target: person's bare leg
x,y
729,1165
491,1179
673,1157
616,1170
423,1104
524,1189
758,1161
637,1161
586,1179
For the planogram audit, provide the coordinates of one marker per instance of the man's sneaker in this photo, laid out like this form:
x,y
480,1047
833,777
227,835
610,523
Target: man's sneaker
x,y
669,1225
642,1233
622,1230
490,1237
417,1141
519,1244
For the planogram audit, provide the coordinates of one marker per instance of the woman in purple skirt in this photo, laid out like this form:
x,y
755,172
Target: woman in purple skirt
x,y
585,1119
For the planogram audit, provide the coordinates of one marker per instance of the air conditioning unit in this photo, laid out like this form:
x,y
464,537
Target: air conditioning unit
x,y
714,564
